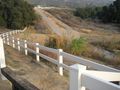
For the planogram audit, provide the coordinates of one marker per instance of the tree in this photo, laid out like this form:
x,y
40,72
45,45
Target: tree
x,y
111,13
16,14
87,12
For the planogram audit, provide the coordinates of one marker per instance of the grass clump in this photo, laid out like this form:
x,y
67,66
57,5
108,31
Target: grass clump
x,y
78,46
57,42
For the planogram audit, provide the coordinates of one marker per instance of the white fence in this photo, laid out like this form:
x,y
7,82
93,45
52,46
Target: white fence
x,y
100,78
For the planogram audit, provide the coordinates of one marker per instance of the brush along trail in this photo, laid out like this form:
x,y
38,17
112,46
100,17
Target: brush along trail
x,y
39,74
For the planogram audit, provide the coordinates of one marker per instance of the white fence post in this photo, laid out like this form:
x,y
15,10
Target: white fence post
x,y
25,45
4,38
3,35
13,32
10,33
60,60
13,42
16,32
8,41
75,77
2,58
18,44
37,51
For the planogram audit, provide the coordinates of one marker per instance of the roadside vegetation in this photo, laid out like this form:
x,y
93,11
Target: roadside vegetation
x,y
16,14
82,47
109,14
88,12
98,41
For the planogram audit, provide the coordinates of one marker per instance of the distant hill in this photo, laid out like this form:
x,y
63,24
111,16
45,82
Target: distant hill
x,y
71,3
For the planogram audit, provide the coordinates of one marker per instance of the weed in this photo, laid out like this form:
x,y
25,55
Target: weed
x,y
78,45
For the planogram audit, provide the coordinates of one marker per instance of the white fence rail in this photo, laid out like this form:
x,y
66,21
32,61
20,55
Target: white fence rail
x,y
80,78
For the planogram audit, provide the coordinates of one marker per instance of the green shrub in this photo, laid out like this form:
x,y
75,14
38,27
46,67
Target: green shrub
x,y
16,14
87,12
111,13
77,46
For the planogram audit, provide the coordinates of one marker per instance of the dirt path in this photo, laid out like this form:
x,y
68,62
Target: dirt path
x,y
56,25
39,74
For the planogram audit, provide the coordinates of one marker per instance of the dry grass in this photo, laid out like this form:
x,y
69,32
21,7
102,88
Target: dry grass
x,y
39,74
99,36
32,35
78,24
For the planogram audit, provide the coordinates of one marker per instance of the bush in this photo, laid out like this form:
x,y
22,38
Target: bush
x,y
16,14
58,42
77,46
111,13
88,12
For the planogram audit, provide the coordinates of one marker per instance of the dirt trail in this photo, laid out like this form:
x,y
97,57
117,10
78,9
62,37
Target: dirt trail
x,y
39,74
56,25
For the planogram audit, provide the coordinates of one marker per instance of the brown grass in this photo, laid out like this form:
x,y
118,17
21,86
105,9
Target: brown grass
x,y
100,36
39,74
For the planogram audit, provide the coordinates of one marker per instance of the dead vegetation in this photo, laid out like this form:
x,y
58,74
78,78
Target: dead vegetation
x,y
103,42
76,23
39,74
103,39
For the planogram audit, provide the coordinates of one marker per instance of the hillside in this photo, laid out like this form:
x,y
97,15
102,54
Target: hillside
x,y
71,3
16,14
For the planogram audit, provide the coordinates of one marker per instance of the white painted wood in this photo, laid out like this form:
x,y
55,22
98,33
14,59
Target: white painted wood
x,y
108,76
18,44
37,51
3,34
60,60
48,49
96,83
2,55
2,58
49,59
75,77
32,51
25,45
16,31
66,67
4,40
89,63
3,37
10,33
13,42
8,40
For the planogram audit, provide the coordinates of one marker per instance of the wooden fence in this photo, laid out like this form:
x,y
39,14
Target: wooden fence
x,y
100,78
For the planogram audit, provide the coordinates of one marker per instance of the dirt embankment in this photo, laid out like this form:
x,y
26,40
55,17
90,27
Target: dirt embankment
x,y
56,25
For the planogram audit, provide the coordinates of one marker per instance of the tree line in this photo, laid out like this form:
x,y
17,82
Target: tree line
x,y
109,13
16,14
